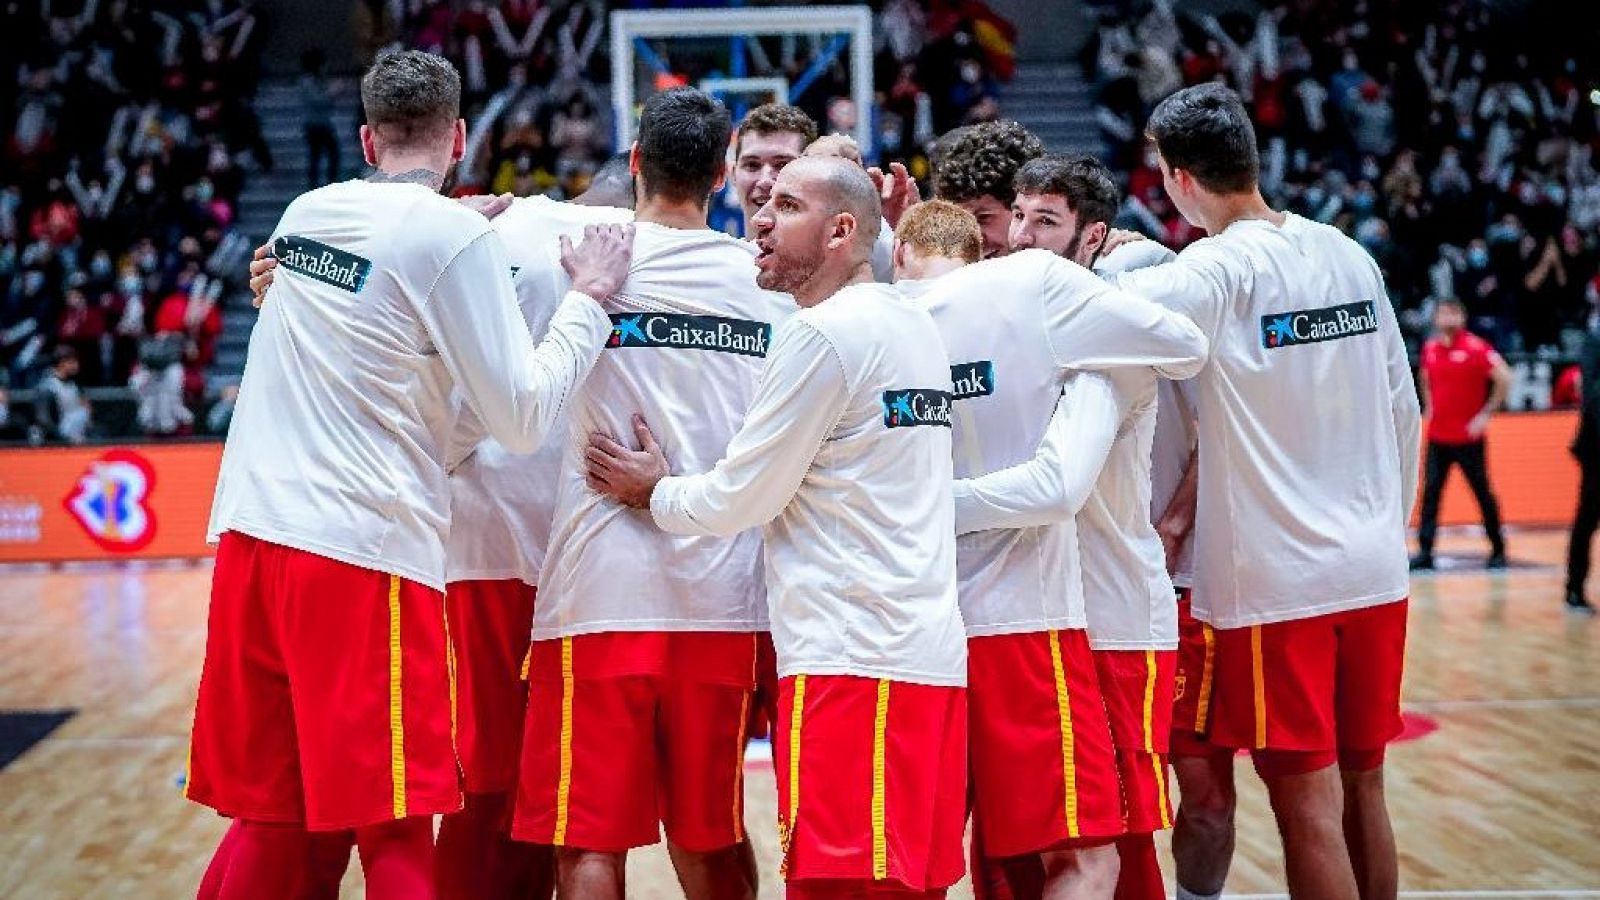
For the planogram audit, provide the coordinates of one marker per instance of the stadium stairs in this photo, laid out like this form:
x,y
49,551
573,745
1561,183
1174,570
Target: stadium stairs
x,y
266,194
1055,102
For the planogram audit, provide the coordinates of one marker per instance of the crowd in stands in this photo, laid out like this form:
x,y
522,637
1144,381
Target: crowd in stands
x,y
536,77
1454,140
127,131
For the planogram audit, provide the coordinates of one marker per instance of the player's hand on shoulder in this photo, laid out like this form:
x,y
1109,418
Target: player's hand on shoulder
x,y
628,476
599,265
487,205
261,266
1118,237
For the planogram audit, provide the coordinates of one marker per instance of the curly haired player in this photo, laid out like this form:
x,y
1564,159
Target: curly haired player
x,y
975,172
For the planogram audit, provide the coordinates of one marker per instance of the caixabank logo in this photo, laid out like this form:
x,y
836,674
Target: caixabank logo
x,y
684,332
111,501
973,379
910,407
1311,326
323,262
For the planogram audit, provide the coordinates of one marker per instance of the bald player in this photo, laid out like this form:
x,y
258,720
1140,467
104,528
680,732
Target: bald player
x,y
844,462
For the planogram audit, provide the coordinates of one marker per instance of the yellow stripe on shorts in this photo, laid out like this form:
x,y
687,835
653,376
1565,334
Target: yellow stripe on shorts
x,y
1069,764
1157,764
1258,678
786,822
1203,702
880,831
397,729
564,784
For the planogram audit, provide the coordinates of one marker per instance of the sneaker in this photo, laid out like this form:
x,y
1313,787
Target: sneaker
x,y
1577,604
1496,561
1422,562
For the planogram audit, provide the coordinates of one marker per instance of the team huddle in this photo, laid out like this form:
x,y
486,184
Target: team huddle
x,y
534,513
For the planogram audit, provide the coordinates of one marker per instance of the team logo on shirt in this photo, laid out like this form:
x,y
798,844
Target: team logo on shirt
x,y
111,502
684,332
1311,326
973,379
326,264
909,407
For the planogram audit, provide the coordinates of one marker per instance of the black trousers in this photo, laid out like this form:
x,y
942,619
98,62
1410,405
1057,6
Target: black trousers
x,y
1583,527
1471,460
322,148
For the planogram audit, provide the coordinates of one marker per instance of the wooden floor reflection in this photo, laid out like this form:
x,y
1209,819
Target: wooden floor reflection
x,y
1498,798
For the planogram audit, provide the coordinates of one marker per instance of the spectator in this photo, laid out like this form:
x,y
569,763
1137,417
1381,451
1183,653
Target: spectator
x,y
1463,382
316,121
221,414
1586,447
61,412
159,385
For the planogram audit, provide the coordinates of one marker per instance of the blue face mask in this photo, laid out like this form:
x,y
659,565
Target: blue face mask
x,y
1363,202
1477,258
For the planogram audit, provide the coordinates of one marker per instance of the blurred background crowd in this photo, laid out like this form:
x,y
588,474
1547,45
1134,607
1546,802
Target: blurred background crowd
x,y
1441,135
1454,146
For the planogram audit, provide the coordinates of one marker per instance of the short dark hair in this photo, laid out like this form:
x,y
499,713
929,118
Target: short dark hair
x,y
1206,131
1084,181
983,162
779,118
683,142
411,94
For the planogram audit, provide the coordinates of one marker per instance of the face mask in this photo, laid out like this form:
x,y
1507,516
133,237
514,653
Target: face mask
x,y
1477,257
145,184
204,191
100,266
131,285
32,282
970,73
1370,170
1363,202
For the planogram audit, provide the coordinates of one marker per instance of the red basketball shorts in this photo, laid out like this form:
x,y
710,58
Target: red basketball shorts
x,y
872,781
1044,771
1325,683
1137,686
1193,684
325,698
630,731
490,622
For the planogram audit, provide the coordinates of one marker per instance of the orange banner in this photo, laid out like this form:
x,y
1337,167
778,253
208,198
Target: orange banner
x,y
146,501
139,501
1530,468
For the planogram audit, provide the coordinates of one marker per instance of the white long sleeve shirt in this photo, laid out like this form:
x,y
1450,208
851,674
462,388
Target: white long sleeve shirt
x,y
1171,448
388,299
692,332
844,462
502,503
1014,327
1308,419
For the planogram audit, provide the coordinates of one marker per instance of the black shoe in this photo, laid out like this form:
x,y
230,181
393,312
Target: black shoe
x,y
1576,604
1422,562
1497,560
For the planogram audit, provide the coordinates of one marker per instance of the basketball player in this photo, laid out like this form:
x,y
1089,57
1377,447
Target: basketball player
x,y
324,703
1065,205
1029,652
974,170
1308,454
844,460
645,644
501,507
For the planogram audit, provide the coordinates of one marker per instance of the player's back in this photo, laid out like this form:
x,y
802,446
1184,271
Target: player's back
x,y
1301,489
337,443
1007,382
502,504
690,336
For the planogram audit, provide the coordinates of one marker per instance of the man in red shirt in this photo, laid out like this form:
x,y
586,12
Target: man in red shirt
x,y
1463,381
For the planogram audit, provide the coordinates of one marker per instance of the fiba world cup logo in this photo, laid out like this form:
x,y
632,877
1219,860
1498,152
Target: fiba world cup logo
x,y
111,502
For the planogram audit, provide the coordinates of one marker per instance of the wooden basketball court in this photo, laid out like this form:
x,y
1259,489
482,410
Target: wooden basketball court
x,y
1496,795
